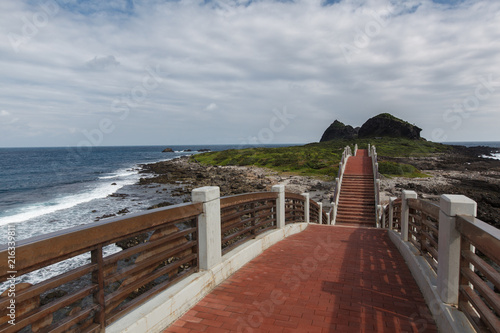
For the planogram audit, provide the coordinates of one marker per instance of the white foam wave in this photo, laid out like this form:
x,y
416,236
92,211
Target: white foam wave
x,y
495,156
120,174
39,209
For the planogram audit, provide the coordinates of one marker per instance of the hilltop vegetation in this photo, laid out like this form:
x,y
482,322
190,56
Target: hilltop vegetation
x,y
322,159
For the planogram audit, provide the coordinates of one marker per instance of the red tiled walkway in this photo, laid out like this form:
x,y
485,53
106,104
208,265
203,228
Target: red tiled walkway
x,y
324,279
357,193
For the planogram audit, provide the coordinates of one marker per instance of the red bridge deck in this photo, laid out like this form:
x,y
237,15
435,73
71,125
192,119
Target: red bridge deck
x,y
324,279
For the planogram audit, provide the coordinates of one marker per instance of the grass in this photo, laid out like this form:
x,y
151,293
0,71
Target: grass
x,y
321,159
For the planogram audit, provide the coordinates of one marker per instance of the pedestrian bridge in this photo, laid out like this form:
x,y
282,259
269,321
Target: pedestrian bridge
x,y
267,262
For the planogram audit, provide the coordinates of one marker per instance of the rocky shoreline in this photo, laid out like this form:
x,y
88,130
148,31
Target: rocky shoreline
x,y
185,175
462,171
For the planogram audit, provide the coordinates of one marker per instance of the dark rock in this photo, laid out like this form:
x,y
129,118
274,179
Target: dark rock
x,y
203,150
105,216
123,211
338,130
161,204
386,124
113,183
168,150
187,150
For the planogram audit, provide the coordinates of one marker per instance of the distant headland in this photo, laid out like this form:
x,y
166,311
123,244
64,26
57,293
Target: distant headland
x,y
382,125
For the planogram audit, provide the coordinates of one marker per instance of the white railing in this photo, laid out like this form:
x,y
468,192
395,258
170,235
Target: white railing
x,y
372,152
454,258
338,182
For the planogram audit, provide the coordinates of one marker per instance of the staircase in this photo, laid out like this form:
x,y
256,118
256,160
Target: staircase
x,y
357,196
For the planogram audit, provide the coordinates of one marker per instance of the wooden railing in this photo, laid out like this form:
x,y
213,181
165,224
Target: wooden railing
x,y
159,248
423,229
476,249
392,215
245,216
294,207
89,297
314,212
479,273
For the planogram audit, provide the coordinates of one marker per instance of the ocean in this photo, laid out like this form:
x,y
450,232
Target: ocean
x,y
49,189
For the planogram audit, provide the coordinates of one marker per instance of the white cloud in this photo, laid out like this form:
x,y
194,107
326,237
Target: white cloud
x,y
250,58
211,107
4,113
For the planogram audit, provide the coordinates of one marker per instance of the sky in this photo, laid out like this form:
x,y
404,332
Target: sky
x,y
133,72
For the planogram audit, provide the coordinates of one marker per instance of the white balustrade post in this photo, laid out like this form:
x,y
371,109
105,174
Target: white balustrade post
x,y
333,218
306,207
391,213
209,226
355,149
320,217
280,205
449,244
369,150
328,219
405,212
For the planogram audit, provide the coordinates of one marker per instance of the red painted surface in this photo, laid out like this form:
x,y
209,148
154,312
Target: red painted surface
x,y
325,279
357,194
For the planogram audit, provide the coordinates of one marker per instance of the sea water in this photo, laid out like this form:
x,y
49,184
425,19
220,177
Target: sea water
x,y
43,190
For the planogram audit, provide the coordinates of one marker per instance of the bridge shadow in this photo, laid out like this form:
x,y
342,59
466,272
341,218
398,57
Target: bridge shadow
x,y
373,291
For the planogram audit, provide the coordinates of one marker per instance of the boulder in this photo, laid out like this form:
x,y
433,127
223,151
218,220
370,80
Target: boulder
x,y
168,150
386,124
338,130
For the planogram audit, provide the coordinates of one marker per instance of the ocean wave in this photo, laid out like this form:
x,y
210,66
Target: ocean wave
x,y
120,174
495,156
100,191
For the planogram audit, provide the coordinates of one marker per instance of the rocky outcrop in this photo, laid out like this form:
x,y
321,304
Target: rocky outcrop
x,y
386,124
168,150
338,130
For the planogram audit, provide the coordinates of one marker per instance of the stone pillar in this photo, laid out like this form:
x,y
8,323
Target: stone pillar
x,y
209,226
449,244
280,205
391,213
405,212
369,150
320,218
306,207
328,219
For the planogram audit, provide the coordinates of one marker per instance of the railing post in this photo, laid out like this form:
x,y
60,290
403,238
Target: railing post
x,y
355,149
405,212
280,205
334,213
328,218
98,278
390,226
306,207
320,217
448,274
369,150
209,226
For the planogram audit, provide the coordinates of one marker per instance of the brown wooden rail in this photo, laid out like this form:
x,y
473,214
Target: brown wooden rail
x,y
479,295
245,216
423,229
294,207
396,215
161,247
314,212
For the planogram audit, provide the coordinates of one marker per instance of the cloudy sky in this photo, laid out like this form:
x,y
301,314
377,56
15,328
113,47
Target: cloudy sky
x,y
133,72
